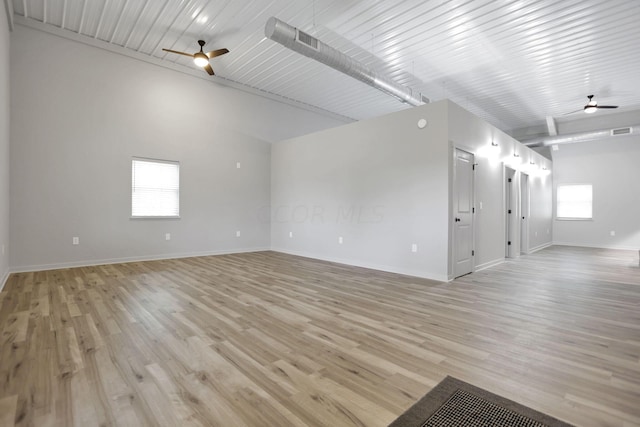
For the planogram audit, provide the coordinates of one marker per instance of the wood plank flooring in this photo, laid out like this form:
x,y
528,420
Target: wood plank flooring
x,y
267,339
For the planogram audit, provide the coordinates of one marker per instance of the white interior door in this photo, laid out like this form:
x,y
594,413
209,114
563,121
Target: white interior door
x,y
524,213
463,213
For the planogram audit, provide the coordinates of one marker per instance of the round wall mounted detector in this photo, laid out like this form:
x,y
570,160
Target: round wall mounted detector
x,y
422,123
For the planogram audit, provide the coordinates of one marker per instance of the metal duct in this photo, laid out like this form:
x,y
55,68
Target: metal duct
x,y
582,136
311,47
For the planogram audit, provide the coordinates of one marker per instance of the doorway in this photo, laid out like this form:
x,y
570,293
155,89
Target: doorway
x,y
524,213
463,213
512,249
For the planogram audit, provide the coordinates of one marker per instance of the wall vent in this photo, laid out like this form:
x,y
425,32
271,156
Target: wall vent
x,y
306,39
621,131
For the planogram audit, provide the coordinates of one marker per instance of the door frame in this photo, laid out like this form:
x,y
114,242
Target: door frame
x,y
511,192
524,213
453,192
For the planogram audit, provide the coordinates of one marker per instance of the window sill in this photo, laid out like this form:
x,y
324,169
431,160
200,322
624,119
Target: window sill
x,y
154,217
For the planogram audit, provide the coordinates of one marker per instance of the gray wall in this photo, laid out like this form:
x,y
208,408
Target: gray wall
x,y
611,166
4,146
398,177
541,212
381,184
78,116
471,133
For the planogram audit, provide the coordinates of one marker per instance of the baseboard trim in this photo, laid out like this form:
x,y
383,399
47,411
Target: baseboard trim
x,y
372,266
89,263
581,245
4,279
489,264
540,247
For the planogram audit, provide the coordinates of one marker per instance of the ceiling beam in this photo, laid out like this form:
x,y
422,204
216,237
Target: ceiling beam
x,y
551,126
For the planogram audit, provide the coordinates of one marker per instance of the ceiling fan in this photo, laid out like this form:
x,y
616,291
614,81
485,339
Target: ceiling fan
x,y
201,59
592,106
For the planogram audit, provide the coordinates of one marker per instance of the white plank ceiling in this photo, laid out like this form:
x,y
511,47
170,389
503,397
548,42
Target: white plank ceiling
x,y
511,62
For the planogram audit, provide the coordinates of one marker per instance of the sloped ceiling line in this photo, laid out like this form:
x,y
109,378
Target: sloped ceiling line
x,y
511,63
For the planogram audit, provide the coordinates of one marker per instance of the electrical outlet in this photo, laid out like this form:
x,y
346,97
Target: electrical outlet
x,y
237,165
480,205
76,241
291,234
340,240
238,233
167,236
613,233
414,247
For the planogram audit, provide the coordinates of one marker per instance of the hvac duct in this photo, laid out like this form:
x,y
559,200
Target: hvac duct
x,y
581,137
309,46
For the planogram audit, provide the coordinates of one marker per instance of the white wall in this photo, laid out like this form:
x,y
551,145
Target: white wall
x,y
381,184
400,177
4,146
78,116
472,134
541,211
611,166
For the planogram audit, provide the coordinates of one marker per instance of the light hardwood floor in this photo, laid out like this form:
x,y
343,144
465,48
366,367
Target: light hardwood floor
x,y
267,339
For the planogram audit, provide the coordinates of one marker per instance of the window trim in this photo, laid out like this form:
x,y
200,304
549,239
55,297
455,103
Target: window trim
x,y
151,217
570,218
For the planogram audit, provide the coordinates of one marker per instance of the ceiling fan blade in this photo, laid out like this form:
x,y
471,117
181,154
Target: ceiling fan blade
x,y
566,114
218,52
178,52
208,69
607,106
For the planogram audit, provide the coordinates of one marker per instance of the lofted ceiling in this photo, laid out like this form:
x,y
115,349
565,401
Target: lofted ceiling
x,y
512,63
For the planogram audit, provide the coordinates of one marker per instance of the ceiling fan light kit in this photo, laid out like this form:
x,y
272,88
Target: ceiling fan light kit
x,y
201,59
592,106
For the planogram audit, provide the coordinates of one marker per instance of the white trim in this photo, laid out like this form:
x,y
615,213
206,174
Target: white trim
x,y
582,245
540,247
90,41
91,263
4,279
385,268
489,264
8,7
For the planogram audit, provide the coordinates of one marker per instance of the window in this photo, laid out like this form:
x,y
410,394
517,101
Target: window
x,y
155,188
574,201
